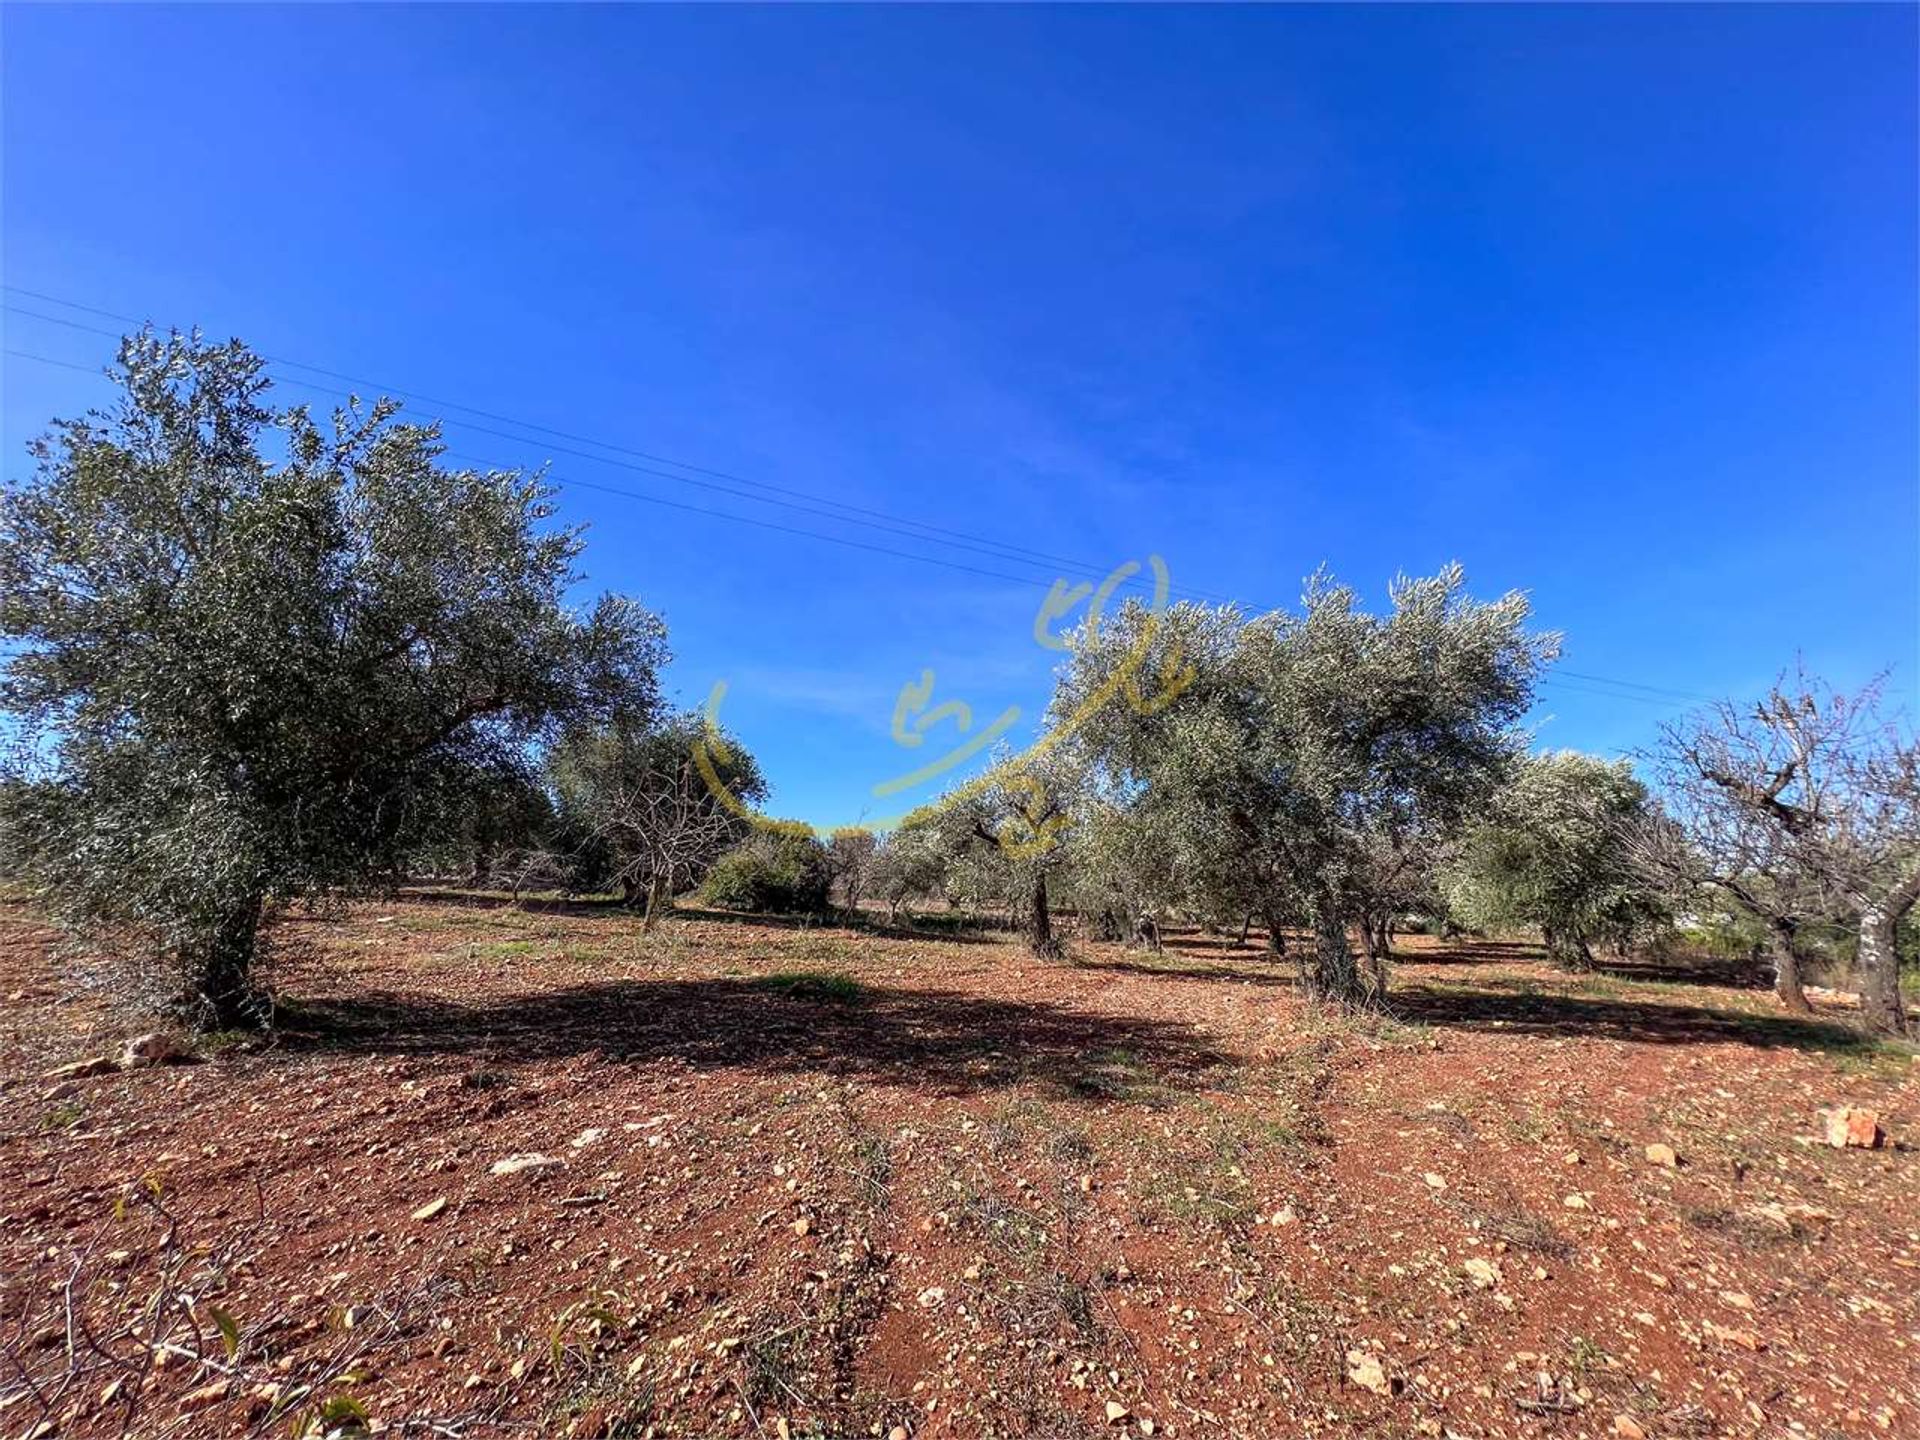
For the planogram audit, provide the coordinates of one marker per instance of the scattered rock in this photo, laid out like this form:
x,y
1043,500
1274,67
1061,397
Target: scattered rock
x,y
1663,1155
1365,1370
1116,1412
587,1137
1627,1428
1435,1182
1849,1127
802,1225
1576,1202
516,1164
431,1208
156,1047
931,1297
81,1069
1484,1273
205,1395
1745,1339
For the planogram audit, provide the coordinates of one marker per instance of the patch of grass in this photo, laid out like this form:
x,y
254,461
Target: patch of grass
x,y
212,1043
1520,1228
825,986
64,1116
775,1367
621,1407
1019,1232
1115,1075
873,1167
505,949
1069,1146
1747,1230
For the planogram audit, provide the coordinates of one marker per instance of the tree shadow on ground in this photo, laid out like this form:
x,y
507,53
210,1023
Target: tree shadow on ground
x,y
1520,1011
1717,971
1472,952
1170,965
952,929
544,903
947,1043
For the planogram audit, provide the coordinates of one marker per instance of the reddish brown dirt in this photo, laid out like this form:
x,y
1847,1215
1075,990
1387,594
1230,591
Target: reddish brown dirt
x,y
978,1195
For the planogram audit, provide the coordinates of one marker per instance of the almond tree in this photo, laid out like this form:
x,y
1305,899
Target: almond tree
x,y
640,815
1706,841
248,645
1830,791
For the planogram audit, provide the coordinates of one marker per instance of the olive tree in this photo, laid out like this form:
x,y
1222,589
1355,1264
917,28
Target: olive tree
x,y
1002,834
1308,737
247,644
909,863
1556,850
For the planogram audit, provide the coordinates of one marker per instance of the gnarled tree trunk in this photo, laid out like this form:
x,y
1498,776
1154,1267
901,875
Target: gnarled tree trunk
x,y
219,988
659,900
1276,937
1330,972
1040,937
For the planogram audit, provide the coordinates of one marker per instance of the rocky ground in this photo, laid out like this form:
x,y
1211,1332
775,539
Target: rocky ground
x,y
529,1172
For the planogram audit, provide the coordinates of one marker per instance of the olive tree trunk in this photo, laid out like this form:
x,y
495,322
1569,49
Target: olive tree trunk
x,y
1331,972
1040,937
219,979
1276,936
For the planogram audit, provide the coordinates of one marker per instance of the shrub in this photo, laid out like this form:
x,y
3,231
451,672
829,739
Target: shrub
x,y
772,874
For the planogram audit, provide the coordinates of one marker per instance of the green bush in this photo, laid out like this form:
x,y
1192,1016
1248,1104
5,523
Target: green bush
x,y
772,874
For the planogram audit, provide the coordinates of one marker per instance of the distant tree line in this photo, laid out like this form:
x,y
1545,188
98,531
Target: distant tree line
x,y
259,658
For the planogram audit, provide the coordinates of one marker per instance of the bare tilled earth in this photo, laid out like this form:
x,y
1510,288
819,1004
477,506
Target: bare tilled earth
x,y
530,1172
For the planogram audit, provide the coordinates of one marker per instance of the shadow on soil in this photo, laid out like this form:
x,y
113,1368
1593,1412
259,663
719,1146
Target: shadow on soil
x,y
953,926
952,1044
1170,964
1652,1022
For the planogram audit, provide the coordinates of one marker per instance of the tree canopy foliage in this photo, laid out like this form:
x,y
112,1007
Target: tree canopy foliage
x,y
1556,851
250,645
1308,742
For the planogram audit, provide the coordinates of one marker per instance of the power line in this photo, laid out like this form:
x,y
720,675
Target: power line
x,y
875,519
644,498
908,528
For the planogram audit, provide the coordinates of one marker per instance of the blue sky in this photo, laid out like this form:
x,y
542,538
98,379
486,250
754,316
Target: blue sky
x,y
1618,306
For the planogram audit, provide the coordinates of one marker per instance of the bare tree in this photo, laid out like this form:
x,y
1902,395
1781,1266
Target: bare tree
x,y
1708,845
1809,801
853,852
642,812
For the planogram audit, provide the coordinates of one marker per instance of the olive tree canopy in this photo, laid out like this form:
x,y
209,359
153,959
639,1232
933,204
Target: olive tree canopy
x,y
1310,737
1557,850
245,642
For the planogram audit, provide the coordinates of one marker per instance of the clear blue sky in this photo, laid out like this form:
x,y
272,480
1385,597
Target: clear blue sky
x,y
1615,305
